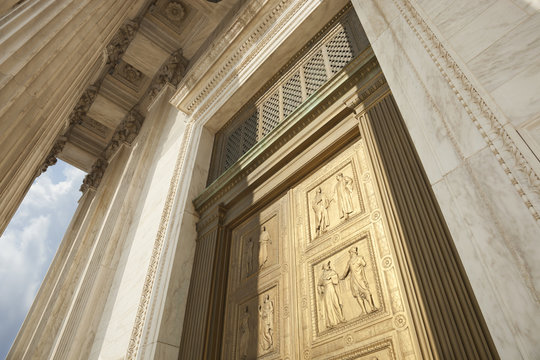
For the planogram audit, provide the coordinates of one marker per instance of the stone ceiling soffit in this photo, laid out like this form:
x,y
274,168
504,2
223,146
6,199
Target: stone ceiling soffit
x,y
106,112
145,55
78,156
86,138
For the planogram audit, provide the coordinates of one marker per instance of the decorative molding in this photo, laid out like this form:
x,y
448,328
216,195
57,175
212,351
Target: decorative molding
x,y
51,159
170,72
128,74
95,126
467,94
126,132
232,76
144,302
120,43
93,179
174,11
211,56
83,105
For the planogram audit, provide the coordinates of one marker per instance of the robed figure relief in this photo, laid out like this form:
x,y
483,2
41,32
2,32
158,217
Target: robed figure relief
x,y
356,270
264,242
249,256
331,303
320,206
244,335
343,195
266,314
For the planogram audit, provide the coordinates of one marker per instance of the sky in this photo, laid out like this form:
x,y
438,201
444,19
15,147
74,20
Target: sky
x,y
30,241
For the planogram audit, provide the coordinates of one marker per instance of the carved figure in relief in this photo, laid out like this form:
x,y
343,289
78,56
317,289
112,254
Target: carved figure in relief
x,y
264,241
266,313
356,269
320,206
343,195
244,335
249,256
331,303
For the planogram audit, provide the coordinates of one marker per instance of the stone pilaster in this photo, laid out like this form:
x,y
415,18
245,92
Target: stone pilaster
x,y
205,306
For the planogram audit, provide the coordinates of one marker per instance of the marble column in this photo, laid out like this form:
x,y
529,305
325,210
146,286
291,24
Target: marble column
x,y
50,49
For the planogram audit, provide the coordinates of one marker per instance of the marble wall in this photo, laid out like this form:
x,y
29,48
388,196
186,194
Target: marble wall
x,y
463,75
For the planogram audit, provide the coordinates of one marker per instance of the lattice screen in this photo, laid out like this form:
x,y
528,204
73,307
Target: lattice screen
x,y
326,58
339,50
292,94
232,150
270,114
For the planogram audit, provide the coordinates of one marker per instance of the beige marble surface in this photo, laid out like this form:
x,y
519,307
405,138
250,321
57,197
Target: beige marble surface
x,y
492,228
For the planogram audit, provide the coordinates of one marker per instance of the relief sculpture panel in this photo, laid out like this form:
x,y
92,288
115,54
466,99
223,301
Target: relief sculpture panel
x,y
256,326
346,286
312,275
351,304
259,252
335,199
257,330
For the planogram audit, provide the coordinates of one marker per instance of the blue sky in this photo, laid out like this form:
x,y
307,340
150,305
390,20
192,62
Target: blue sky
x,y
30,242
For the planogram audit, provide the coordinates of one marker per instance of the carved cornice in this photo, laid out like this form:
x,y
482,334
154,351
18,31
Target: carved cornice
x,y
247,55
126,132
170,72
51,159
211,56
120,43
93,179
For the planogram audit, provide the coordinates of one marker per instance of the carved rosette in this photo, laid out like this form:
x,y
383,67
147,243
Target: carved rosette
x,y
126,132
50,160
83,105
120,43
171,72
174,11
92,180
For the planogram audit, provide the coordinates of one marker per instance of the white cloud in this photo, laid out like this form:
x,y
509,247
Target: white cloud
x,y
30,241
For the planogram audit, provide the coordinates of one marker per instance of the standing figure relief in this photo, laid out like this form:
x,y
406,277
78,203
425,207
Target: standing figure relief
x,y
356,270
331,303
244,335
264,242
249,256
343,197
266,328
320,206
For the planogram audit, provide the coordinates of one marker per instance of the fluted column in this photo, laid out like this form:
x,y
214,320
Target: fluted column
x,y
50,50
203,322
